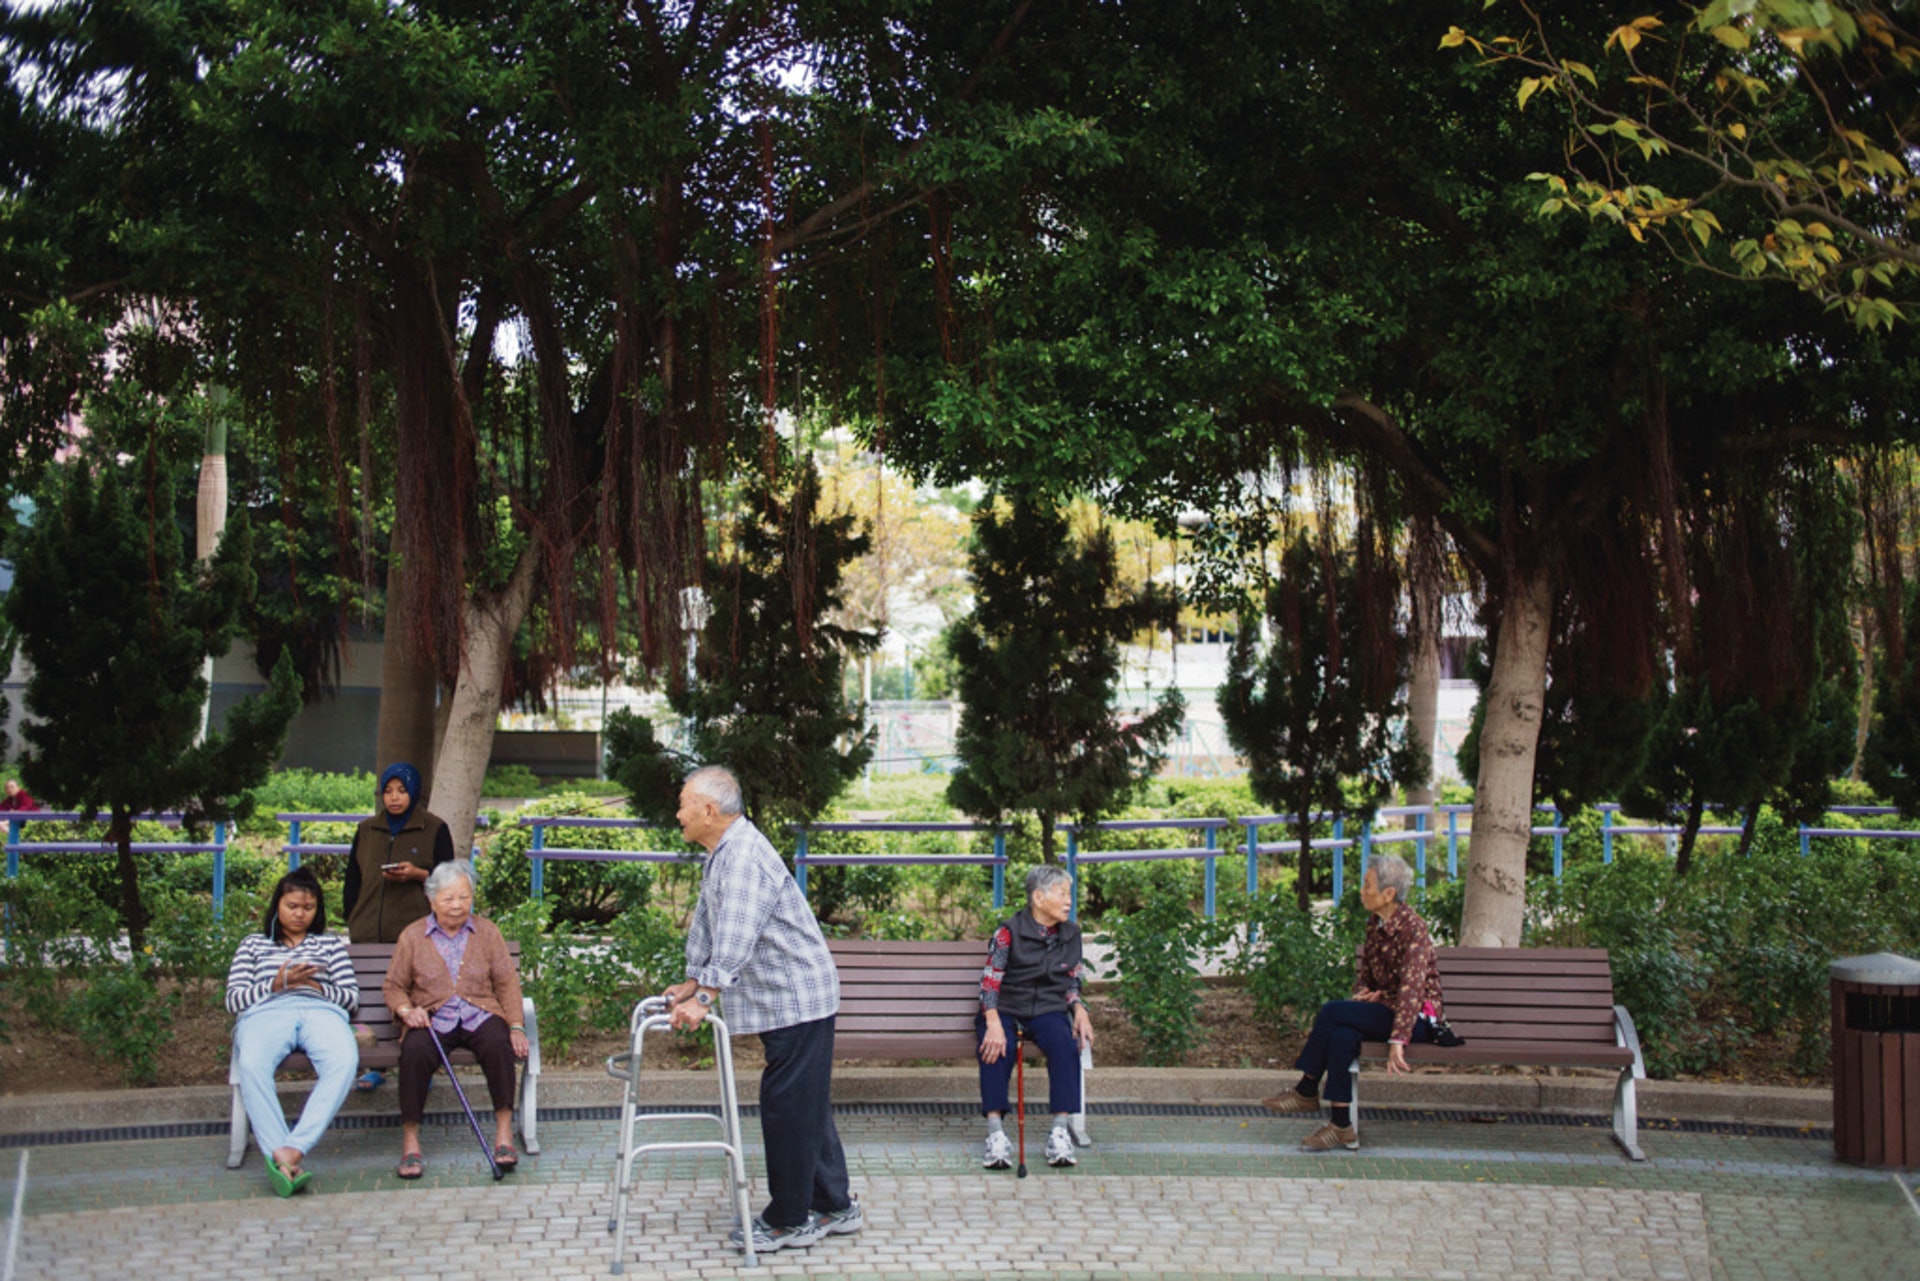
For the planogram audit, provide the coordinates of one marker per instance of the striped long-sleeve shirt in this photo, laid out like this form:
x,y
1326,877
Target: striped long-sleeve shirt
x,y
250,977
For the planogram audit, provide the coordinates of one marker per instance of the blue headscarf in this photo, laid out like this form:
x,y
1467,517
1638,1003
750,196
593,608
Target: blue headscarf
x,y
410,779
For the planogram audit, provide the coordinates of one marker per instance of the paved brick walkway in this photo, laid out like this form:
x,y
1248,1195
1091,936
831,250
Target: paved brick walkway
x,y
1216,1194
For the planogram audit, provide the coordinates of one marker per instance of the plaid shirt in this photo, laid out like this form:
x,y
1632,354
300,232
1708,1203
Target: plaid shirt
x,y
754,938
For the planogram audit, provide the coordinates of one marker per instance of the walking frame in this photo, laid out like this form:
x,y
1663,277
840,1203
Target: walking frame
x,y
654,1015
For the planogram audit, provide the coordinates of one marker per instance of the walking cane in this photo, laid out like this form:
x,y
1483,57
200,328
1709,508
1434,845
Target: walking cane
x,y
474,1121
1020,1093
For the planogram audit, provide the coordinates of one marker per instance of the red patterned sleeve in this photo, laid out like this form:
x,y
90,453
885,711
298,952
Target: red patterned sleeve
x,y
996,970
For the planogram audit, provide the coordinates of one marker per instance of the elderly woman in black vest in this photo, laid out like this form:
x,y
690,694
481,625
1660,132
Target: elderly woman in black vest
x,y
1032,983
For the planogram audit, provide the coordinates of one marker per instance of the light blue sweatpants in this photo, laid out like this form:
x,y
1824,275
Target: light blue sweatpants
x,y
268,1033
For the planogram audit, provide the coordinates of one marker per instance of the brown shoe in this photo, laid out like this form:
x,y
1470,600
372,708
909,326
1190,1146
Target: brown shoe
x,y
1331,1136
1291,1101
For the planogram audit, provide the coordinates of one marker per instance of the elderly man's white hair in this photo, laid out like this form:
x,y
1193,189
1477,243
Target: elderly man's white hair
x,y
718,784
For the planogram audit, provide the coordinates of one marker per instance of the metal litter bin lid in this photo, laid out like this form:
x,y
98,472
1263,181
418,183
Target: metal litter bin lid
x,y
1882,969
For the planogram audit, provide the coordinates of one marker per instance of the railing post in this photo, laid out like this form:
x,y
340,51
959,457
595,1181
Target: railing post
x,y
999,868
293,839
1212,843
1606,837
1339,859
1073,871
13,855
1420,846
1453,845
537,882
1253,861
1558,839
800,860
1806,843
220,871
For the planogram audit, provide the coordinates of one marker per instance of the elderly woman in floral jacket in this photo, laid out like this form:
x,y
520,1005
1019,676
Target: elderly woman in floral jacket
x,y
1396,999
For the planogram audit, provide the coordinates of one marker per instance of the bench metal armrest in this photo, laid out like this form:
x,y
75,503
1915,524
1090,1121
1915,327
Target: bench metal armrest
x,y
1626,1036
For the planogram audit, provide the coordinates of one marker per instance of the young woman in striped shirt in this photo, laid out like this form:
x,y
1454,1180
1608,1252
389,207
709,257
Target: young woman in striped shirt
x,y
292,985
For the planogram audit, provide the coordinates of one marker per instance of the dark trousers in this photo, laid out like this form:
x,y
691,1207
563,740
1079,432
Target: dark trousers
x,y
1334,1043
1053,1033
491,1043
806,1168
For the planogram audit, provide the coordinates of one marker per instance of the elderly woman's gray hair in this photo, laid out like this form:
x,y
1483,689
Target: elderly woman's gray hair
x,y
1043,877
718,784
1390,872
446,873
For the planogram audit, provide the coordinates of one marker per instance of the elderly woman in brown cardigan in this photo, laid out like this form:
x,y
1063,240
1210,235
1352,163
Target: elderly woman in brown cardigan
x,y
451,969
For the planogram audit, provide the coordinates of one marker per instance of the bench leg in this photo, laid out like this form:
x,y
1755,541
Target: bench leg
x,y
1626,1115
238,1128
1355,1105
530,1083
1077,1123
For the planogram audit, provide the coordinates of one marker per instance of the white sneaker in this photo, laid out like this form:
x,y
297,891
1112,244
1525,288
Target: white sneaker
x,y
1060,1147
839,1223
999,1154
767,1238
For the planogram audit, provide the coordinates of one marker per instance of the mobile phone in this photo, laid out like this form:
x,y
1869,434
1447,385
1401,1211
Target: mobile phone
x,y
389,866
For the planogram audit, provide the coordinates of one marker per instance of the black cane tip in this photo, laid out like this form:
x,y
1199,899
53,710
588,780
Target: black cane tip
x,y
1023,1169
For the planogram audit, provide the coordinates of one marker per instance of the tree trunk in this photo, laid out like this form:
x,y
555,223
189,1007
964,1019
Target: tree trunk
x,y
460,766
1303,870
408,685
1864,726
1748,826
1689,833
1423,713
133,909
1496,898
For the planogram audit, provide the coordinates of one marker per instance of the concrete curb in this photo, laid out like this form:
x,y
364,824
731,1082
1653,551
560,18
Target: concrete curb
x,y
1584,1094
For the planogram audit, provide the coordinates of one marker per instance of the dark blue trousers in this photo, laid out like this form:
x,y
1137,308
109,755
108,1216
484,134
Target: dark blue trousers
x,y
806,1168
1053,1033
1334,1043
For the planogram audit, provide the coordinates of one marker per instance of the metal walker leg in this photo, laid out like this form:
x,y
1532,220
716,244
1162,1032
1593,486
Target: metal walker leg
x,y
651,1015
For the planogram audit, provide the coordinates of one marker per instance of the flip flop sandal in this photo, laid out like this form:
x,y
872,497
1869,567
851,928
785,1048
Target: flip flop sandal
x,y
411,1166
505,1157
282,1181
368,1080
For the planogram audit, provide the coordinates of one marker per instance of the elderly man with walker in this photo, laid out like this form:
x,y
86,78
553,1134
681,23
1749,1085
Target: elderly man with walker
x,y
754,940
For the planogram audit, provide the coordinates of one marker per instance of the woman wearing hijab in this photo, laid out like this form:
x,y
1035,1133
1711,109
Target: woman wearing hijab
x,y
393,852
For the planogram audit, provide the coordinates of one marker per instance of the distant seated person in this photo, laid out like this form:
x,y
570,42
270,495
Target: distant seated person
x,y
17,797
451,976
1032,983
1396,999
293,987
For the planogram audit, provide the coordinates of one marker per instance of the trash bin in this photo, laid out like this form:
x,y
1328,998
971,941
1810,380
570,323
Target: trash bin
x,y
1876,1060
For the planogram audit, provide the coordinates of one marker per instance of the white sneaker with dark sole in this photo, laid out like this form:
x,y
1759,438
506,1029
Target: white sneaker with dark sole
x,y
999,1152
840,1223
767,1238
1060,1147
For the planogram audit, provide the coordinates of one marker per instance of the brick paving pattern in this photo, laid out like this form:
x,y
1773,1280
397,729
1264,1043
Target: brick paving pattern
x,y
1199,1196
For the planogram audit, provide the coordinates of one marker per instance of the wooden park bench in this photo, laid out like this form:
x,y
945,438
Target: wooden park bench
x,y
906,999
1535,1007
370,968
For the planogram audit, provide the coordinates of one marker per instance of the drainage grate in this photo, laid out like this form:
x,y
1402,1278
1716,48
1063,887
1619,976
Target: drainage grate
x,y
361,1121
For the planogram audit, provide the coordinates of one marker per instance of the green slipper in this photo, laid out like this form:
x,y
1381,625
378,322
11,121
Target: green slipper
x,y
282,1183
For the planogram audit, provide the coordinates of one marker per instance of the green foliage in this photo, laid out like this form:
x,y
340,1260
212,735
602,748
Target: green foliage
x,y
578,892
1299,960
1156,951
124,1018
592,980
649,771
1038,663
1319,715
116,626
304,791
766,699
510,780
